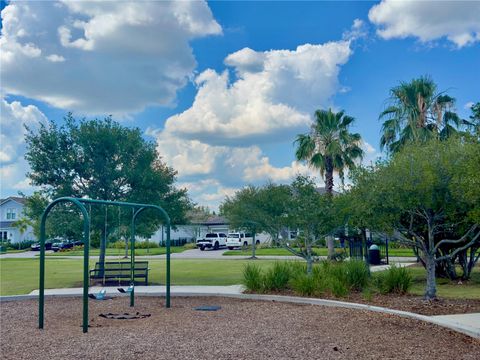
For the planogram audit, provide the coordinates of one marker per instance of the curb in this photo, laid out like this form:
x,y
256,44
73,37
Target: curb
x,y
464,329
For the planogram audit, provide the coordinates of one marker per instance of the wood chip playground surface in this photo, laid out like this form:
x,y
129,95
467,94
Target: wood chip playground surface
x,y
240,329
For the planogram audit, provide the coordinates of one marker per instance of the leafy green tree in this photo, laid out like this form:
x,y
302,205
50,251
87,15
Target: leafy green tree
x,y
100,159
312,213
428,198
417,113
329,146
474,119
259,209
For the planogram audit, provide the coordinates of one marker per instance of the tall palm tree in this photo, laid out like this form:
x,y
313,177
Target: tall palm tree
x,y
329,146
417,113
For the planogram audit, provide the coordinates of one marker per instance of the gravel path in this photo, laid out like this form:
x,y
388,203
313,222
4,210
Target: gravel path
x,y
242,329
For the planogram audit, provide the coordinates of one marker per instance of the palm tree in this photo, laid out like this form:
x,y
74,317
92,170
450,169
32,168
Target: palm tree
x,y
417,113
329,146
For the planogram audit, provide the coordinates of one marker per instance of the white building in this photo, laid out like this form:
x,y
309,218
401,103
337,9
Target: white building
x,y
11,210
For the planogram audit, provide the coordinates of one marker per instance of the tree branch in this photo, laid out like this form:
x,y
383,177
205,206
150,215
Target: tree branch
x,y
462,239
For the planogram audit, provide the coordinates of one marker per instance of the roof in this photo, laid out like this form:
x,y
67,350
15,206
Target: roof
x,y
17,199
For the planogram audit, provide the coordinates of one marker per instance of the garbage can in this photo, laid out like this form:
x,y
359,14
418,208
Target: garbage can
x,y
374,255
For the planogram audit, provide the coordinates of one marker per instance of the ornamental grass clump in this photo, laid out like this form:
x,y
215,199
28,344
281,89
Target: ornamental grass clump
x,y
356,275
277,277
397,280
305,285
253,278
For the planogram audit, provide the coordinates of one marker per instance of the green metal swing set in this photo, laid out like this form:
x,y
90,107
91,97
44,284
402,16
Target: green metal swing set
x,y
80,204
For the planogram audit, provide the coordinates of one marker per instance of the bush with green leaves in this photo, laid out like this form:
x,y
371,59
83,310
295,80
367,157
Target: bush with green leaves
x,y
277,277
303,284
397,280
356,275
253,278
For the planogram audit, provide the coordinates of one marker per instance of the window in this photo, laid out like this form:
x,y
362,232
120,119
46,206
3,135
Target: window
x,y
11,214
4,235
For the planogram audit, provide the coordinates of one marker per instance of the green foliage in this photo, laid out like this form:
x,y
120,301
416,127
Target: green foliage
x,y
277,277
252,278
423,196
396,280
357,275
138,245
101,159
304,284
330,146
417,113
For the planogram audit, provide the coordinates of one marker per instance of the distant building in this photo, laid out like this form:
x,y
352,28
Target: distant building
x,y
11,210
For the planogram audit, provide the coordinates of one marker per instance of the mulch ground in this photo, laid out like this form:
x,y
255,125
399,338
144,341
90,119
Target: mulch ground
x,y
241,329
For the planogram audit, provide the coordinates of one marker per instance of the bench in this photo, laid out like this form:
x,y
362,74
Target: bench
x,y
120,270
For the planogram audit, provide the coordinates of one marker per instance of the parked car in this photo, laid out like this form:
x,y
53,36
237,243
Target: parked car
x,y
62,245
36,247
239,239
212,240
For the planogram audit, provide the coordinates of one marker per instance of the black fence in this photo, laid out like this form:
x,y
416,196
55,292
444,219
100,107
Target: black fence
x,y
359,249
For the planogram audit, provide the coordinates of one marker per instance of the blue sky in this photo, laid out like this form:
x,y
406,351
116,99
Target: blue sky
x,y
224,87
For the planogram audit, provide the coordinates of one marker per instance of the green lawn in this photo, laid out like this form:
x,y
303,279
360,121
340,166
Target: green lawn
x,y
20,276
120,252
318,251
446,288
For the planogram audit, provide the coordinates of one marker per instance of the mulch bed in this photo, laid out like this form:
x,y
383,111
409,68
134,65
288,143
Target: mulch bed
x,y
241,329
411,303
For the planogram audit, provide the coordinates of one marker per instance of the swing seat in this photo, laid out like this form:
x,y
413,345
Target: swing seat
x,y
99,296
128,291
120,270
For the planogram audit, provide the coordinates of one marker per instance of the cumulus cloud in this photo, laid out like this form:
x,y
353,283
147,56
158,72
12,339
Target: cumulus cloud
x,y
101,57
271,96
458,21
14,117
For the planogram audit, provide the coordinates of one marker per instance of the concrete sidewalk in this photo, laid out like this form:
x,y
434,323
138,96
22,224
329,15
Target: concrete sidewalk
x,y
151,290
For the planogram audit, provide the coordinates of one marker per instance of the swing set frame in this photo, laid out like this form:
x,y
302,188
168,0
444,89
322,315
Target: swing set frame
x,y
80,204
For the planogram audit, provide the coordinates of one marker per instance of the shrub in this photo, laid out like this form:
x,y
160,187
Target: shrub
x,y
190,246
356,275
252,277
304,284
396,280
278,276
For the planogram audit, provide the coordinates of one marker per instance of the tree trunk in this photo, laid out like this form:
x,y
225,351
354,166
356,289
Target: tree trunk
x,y
308,246
431,290
331,247
329,176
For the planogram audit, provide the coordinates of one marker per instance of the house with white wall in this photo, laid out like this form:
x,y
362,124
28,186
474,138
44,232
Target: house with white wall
x,y
11,210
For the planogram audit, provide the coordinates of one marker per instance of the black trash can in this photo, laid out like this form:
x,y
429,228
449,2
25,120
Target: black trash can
x,y
374,255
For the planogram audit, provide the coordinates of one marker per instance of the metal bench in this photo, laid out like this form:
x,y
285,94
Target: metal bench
x,y
120,270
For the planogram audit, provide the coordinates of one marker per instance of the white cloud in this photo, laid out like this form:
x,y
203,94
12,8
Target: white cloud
x,y
273,95
468,105
14,117
458,21
101,57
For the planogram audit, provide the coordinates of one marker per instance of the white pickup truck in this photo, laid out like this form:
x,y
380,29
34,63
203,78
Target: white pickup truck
x,y
239,239
212,240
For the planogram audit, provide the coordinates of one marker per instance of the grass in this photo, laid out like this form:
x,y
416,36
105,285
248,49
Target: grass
x,y
120,252
20,276
318,251
13,251
446,288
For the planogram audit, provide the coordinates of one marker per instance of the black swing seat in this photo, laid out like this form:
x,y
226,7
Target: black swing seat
x,y
120,270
